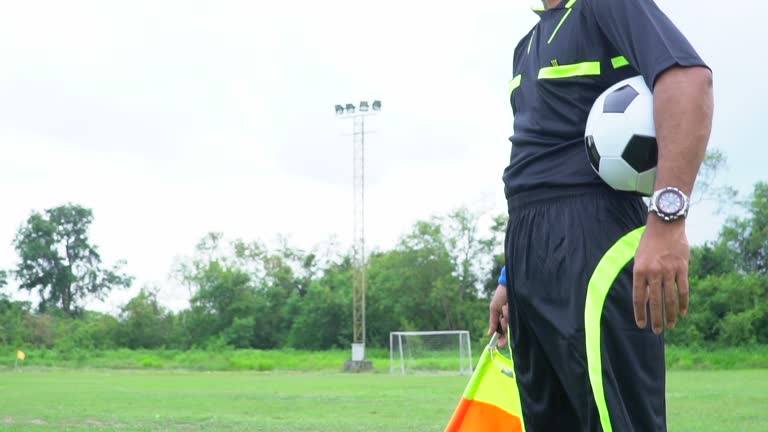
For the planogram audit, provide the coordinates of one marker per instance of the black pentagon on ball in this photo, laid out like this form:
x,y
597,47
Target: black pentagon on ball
x,y
594,156
641,153
619,100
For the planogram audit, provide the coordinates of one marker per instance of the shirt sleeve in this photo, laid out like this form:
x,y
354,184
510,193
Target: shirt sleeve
x,y
644,35
503,276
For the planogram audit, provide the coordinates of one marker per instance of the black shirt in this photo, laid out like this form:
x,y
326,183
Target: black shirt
x,y
576,51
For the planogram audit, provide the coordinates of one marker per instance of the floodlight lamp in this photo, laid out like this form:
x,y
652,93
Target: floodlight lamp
x,y
339,110
363,106
350,108
377,105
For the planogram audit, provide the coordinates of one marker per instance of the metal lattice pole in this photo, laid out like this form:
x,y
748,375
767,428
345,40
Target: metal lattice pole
x,y
358,181
358,237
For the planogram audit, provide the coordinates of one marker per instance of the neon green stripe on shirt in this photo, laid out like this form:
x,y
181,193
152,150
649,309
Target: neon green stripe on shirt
x,y
565,17
572,70
514,83
619,62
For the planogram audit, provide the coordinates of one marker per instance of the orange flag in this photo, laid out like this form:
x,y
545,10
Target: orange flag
x,y
491,401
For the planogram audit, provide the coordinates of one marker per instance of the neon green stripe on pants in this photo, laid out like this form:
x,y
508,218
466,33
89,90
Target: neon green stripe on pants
x,y
605,274
571,70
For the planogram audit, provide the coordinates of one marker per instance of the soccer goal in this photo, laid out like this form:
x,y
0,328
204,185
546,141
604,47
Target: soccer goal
x,y
413,352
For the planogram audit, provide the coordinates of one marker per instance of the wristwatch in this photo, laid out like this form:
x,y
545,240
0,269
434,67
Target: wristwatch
x,y
669,204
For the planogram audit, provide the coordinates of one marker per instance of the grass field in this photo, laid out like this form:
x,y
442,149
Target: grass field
x,y
227,359
102,400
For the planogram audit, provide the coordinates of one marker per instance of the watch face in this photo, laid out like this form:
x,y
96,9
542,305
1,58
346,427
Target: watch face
x,y
670,202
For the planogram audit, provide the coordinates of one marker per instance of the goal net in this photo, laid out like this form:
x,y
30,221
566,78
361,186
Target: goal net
x,y
412,352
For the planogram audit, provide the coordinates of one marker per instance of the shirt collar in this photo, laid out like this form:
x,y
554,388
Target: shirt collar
x,y
564,4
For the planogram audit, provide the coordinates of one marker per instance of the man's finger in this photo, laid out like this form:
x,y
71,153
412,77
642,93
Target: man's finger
x,y
493,321
657,304
502,331
683,291
670,299
496,308
502,341
639,298
505,317
493,325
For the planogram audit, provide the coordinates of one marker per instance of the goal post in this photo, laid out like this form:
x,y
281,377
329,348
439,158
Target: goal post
x,y
430,351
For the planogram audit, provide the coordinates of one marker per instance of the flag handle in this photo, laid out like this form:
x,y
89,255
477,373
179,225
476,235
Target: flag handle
x,y
492,348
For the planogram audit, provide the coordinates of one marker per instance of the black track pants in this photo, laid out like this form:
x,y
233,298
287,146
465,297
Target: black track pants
x,y
581,362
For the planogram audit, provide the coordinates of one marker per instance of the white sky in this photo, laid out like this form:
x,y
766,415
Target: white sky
x,y
174,118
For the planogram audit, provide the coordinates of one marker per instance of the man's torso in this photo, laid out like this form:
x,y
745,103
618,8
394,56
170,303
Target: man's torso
x,y
560,68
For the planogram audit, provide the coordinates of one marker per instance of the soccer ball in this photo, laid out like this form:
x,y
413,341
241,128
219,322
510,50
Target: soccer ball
x,y
621,137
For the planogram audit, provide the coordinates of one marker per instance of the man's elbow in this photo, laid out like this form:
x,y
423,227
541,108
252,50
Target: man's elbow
x,y
701,76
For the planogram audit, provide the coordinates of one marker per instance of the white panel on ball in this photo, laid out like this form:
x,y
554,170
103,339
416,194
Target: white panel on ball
x,y
618,174
646,181
613,134
639,114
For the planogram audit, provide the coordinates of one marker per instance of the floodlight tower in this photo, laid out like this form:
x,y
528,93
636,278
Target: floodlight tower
x,y
349,111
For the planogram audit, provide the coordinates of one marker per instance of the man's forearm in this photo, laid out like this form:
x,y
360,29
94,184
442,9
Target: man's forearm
x,y
683,106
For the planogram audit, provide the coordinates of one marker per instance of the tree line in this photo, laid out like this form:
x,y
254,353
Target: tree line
x,y
246,294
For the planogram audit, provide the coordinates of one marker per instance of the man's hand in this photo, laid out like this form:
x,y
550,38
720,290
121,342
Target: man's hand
x,y
661,274
498,314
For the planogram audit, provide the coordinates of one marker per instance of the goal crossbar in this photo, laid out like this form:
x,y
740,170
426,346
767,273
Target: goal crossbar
x,y
427,333
396,343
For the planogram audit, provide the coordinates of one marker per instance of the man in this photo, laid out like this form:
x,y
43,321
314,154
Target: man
x,y
579,308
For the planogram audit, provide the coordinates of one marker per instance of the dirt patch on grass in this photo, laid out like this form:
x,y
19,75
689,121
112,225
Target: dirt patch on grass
x,y
90,423
187,426
13,421
103,424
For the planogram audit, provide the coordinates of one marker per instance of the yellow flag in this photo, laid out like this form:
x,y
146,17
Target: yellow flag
x,y
20,355
491,401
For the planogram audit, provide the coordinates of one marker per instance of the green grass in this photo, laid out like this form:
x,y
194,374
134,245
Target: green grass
x,y
679,358
327,361
201,360
223,360
102,400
